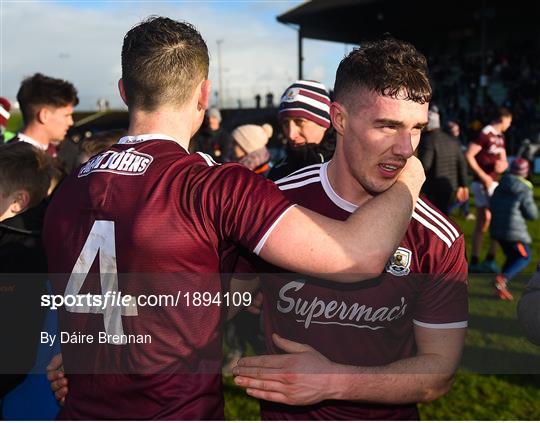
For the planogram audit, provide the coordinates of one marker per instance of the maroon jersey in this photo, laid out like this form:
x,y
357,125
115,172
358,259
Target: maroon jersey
x,y
369,323
492,143
142,218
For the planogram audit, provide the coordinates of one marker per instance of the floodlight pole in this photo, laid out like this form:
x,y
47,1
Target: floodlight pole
x,y
220,75
300,53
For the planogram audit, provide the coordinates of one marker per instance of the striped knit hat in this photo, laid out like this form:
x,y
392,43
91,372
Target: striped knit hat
x,y
306,99
5,106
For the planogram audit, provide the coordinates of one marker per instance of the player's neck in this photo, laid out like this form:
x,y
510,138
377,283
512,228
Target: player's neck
x,y
163,121
37,133
343,183
497,126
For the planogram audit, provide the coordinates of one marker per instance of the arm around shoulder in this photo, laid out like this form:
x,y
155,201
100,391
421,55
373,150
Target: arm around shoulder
x,y
356,249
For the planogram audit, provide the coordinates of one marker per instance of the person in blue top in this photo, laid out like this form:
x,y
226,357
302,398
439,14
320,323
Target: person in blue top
x,y
511,205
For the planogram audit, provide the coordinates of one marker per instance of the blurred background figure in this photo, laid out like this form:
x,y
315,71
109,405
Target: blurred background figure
x,y
99,142
453,129
249,146
47,109
24,183
444,163
304,116
511,204
212,139
487,159
5,107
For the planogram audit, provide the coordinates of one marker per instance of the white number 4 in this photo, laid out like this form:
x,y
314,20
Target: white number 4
x,y
101,239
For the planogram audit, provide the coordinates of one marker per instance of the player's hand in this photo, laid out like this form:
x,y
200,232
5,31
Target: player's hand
x,y
58,379
301,377
413,174
462,194
501,165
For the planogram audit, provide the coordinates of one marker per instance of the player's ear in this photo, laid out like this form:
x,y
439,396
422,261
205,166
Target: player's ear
x,y
122,90
21,200
338,115
204,95
42,115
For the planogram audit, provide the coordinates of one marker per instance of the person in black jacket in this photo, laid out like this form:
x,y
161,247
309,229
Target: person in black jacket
x,y
24,182
212,139
444,163
304,115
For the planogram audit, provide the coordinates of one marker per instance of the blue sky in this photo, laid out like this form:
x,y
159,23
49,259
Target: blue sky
x,y
81,41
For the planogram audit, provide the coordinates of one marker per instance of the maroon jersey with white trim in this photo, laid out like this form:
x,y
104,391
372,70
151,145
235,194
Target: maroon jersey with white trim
x,y
492,143
142,218
369,323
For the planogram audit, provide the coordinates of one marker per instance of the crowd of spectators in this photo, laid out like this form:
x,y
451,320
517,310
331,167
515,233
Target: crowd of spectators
x,y
469,88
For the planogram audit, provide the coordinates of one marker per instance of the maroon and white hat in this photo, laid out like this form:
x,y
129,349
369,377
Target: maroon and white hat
x,y
520,166
306,99
5,107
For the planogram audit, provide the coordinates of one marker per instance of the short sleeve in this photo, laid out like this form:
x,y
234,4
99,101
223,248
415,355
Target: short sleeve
x,y
443,299
482,140
242,206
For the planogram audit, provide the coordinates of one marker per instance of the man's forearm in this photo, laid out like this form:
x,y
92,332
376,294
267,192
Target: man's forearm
x,y
475,167
389,215
416,379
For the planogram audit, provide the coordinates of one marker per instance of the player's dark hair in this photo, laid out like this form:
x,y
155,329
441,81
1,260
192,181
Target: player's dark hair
x,y
501,113
162,62
39,90
23,166
388,67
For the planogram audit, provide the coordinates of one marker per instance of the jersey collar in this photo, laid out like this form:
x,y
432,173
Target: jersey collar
x,y
32,141
332,195
129,139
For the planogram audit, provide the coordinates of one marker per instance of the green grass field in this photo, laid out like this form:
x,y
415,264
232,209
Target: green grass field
x,y
500,373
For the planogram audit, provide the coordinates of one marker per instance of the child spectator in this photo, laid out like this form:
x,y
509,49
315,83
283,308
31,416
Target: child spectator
x,y
511,204
99,142
250,146
24,182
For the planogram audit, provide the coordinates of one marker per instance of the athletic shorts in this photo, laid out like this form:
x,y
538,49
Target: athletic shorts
x,y
481,194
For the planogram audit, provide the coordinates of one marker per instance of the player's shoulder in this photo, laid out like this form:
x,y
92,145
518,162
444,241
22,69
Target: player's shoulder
x,y
430,223
300,178
203,158
488,130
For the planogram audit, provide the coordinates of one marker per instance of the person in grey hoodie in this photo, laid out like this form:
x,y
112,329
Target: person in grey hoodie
x,y
511,204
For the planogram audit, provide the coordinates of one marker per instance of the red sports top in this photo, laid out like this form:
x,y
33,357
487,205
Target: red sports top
x,y
492,143
370,323
146,217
